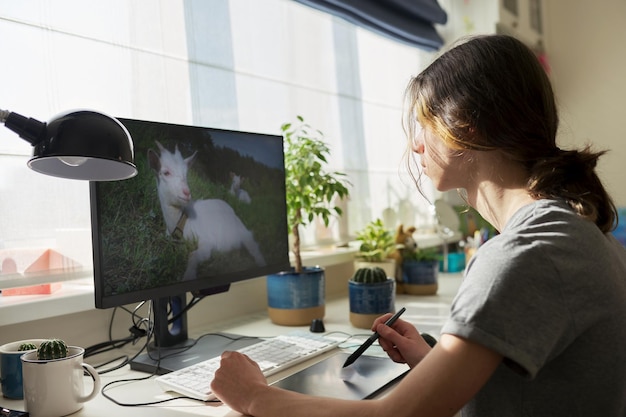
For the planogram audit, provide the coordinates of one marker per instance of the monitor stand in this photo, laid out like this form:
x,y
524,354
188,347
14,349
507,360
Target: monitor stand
x,y
172,345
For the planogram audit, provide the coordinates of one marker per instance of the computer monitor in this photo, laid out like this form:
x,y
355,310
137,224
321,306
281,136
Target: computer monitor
x,y
207,208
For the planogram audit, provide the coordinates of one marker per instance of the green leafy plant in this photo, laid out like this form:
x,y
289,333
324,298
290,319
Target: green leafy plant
x,y
52,349
423,255
369,275
377,242
310,189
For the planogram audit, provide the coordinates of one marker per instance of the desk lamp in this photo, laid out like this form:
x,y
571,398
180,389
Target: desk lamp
x,y
82,145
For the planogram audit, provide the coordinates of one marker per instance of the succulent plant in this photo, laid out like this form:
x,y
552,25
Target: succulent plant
x,y
52,349
26,346
370,275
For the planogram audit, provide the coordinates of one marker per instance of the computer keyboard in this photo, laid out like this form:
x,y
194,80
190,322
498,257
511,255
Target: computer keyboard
x,y
272,355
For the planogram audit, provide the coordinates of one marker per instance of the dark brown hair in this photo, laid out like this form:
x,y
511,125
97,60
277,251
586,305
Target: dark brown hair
x,y
491,93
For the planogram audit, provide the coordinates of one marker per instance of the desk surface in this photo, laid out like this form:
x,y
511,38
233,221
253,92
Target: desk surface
x,y
428,313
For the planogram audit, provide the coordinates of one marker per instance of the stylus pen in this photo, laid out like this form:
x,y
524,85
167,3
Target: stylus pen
x,y
371,339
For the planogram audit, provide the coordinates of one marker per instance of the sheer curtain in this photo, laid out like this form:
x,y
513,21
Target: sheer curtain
x,y
239,64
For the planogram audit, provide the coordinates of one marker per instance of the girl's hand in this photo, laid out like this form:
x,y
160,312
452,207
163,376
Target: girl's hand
x,y
237,380
402,342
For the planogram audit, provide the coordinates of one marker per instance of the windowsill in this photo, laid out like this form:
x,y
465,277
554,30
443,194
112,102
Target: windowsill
x,y
72,297
78,295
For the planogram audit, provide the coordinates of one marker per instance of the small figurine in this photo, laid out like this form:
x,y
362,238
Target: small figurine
x,y
405,246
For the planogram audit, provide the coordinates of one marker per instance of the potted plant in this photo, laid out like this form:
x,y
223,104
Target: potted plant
x,y
297,296
11,366
377,244
420,271
371,293
54,379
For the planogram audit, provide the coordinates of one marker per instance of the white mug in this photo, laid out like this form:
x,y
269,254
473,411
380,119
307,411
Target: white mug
x,y
55,387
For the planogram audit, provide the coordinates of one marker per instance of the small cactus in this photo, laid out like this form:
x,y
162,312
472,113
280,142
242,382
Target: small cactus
x,y
369,275
26,346
52,349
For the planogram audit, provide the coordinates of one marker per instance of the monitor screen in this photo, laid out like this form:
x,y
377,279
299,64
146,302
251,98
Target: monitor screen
x,y
207,209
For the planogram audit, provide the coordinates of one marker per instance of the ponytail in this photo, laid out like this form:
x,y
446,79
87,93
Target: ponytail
x,y
571,175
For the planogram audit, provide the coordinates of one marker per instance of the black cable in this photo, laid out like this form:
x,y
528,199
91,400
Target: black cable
x,y
108,346
156,368
195,300
108,397
127,359
176,350
136,333
179,350
110,361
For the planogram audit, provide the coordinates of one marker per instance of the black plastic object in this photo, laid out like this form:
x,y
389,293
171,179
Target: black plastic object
x,y
317,326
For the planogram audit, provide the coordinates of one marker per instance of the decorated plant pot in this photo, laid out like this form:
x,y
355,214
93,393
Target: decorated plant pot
x,y
11,366
420,277
296,299
370,300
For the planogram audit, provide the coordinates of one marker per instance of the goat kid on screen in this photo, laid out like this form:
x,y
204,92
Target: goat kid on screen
x,y
211,222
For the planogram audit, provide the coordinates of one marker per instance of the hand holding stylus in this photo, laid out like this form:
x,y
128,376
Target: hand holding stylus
x,y
404,343
371,339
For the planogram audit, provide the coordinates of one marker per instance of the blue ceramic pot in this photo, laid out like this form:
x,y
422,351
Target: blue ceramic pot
x,y
420,277
296,299
369,301
376,298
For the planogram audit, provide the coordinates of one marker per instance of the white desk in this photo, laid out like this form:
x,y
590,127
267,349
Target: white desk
x,y
428,313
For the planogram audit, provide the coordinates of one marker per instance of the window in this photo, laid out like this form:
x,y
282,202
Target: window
x,y
239,64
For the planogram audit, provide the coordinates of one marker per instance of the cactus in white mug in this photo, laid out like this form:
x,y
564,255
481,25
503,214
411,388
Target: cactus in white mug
x,y
52,349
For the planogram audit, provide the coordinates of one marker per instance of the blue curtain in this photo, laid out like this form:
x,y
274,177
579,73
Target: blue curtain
x,y
408,21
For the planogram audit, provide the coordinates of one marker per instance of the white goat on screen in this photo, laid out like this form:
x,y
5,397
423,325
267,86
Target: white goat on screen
x,y
212,222
236,190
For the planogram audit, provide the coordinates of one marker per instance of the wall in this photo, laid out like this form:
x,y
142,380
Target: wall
x,y
585,45
585,42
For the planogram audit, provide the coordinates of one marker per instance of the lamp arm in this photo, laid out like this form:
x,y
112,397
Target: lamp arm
x,y
28,129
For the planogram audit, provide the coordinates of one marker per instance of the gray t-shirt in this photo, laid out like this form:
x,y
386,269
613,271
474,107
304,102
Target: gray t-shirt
x,y
549,294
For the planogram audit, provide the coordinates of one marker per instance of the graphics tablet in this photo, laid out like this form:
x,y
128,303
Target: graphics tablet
x,y
365,378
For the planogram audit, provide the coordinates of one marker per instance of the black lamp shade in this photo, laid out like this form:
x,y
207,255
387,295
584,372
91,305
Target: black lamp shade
x,y
84,145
